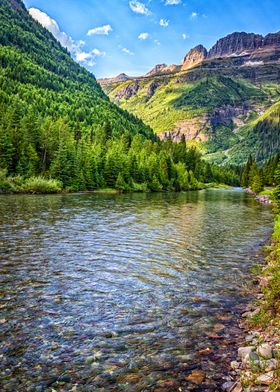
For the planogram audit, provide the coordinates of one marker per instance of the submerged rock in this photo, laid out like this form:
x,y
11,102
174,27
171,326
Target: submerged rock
x,y
196,376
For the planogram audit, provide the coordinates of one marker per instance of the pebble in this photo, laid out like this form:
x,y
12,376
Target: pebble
x,y
205,351
235,365
266,379
265,351
185,358
250,338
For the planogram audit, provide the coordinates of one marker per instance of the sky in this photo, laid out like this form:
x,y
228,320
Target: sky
x,y
109,37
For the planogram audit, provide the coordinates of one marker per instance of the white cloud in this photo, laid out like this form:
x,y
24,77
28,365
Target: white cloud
x,y
164,22
143,36
83,56
139,8
156,41
102,30
52,26
173,2
74,47
194,15
98,53
127,51
185,36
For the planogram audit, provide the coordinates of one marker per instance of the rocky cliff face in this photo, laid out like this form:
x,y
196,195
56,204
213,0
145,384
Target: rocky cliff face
x,y
194,57
128,91
235,44
272,39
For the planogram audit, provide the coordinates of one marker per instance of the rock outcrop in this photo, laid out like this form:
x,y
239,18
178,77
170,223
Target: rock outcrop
x,y
194,57
128,91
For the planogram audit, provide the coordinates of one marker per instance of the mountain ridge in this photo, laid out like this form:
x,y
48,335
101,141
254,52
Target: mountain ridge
x,y
237,44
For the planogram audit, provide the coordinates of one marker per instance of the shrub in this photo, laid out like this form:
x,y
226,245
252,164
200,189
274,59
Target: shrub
x,y
41,185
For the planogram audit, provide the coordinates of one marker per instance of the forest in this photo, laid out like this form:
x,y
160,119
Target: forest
x,y
59,131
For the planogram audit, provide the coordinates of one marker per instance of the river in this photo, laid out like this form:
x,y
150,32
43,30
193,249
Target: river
x,y
121,292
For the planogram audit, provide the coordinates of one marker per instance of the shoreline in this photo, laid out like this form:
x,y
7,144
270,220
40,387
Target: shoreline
x,y
257,364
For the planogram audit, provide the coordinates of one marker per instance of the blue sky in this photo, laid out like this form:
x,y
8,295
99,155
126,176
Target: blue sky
x,y
114,36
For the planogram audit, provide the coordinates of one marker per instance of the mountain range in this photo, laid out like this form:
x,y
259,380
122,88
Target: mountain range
x,y
225,100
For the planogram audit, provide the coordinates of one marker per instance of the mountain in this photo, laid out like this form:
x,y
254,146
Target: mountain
x,y
214,97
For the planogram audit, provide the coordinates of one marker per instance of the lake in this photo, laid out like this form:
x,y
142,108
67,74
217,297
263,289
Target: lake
x,y
123,292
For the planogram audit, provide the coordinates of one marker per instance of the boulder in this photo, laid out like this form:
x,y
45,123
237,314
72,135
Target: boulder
x,y
265,351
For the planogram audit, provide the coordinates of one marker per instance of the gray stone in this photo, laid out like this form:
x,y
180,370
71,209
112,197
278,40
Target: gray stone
x,y
243,351
271,364
266,379
253,356
265,351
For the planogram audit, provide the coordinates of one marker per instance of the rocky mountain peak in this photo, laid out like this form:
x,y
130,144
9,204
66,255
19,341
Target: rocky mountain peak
x,y
122,77
194,56
236,44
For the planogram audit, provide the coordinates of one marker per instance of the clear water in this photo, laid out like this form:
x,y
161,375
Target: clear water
x,y
119,292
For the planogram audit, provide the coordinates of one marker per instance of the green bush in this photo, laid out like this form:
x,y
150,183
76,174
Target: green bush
x,y
41,185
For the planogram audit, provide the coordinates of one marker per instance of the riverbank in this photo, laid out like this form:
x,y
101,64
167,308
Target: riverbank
x,y
40,185
257,364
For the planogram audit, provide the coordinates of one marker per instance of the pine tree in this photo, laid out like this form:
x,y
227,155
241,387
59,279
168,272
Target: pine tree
x,y
246,171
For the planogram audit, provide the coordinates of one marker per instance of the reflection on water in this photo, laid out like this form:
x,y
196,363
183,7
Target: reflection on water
x,y
118,292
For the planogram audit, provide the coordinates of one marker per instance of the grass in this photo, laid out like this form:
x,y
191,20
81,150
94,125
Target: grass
x,y
266,192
